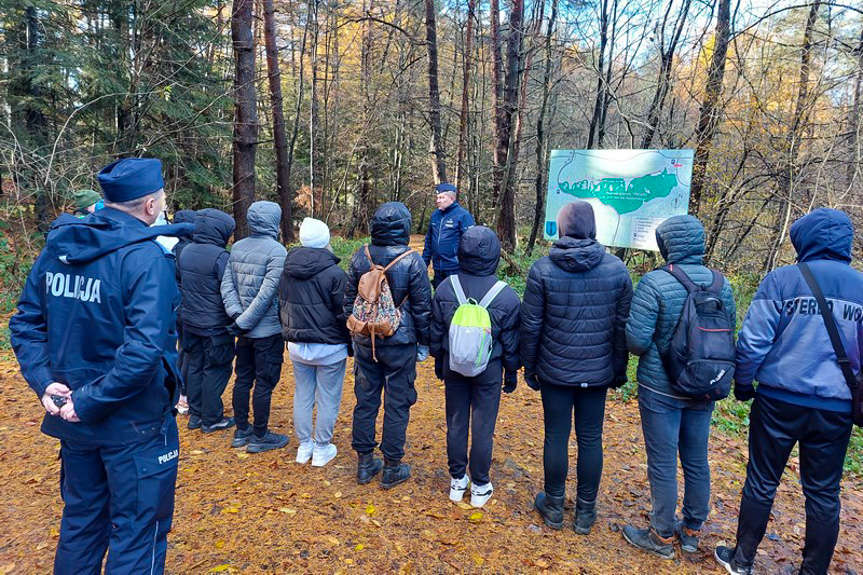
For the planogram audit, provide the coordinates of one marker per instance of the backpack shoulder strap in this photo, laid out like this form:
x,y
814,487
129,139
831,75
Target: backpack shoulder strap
x,y
369,255
398,258
492,293
459,291
830,323
718,282
681,276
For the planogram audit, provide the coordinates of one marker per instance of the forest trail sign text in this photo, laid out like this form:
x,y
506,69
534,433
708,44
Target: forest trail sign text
x,y
631,191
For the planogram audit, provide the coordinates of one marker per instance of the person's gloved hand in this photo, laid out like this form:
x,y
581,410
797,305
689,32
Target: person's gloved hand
x,y
236,330
743,391
531,381
438,368
422,352
618,382
350,349
510,381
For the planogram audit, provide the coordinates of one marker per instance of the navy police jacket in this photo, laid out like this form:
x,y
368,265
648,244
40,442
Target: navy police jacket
x,y
98,315
444,234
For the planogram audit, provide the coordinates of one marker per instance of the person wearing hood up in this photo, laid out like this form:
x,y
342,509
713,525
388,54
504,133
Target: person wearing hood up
x,y
573,346
802,396
95,334
250,294
476,397
672,423
390,366
182,217
206,324
312,294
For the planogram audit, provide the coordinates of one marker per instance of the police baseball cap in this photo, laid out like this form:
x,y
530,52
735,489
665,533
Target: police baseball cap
x,y
445,187
131,178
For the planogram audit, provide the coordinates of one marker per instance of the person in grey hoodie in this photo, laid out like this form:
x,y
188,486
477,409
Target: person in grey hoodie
x,y
249,292
311,293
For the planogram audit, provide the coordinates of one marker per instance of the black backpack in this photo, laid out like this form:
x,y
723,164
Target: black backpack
x,y
700,359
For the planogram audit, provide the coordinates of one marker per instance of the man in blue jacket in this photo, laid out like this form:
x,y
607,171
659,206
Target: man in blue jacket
x,y
446,227
95,335
802,395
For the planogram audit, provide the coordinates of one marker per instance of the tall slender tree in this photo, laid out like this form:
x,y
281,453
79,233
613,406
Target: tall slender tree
x,y
245,140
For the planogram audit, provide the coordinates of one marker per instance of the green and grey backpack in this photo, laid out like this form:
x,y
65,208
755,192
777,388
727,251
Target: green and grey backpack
x,y
470,340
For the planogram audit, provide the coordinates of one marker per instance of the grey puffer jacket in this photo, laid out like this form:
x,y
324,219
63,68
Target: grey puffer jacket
x,y
659,297
251,282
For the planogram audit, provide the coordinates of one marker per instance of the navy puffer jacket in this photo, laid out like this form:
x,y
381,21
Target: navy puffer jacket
x,y
659,298
573,316
202,266
478,256
408,279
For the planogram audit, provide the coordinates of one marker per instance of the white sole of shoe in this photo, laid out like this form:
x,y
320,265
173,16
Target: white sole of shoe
x,y
303,458
480,500
320,462
456,495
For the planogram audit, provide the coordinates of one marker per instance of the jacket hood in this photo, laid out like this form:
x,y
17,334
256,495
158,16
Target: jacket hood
x,y
213,226
576,255
77,241
264,219
823,234
391,225
185,216
576,220
303,263
681,240
479,251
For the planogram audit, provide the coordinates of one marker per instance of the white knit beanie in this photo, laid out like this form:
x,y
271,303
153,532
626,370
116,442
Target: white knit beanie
x,y
314,233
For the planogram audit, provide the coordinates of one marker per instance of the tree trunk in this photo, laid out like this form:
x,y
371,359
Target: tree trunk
x,y
436,150
709,117
506,227
854,163
664,81
283,185
792,142
496,103
600,82
541,178
462,131
245,113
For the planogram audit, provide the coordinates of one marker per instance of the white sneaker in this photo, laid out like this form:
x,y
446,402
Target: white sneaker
x,y
304,451
183,405
457,487
321,457
480,494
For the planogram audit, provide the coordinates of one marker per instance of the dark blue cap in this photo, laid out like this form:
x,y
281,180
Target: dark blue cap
x,y
445,187
131,178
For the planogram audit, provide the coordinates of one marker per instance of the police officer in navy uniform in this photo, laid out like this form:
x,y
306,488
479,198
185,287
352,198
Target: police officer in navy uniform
x,y
95,335
446,226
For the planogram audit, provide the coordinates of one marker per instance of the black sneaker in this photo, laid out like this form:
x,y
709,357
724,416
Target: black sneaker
x,y
648,540
242,437
550,508
687,537
725,557
194,422
268,442
225,423
395,473
367,467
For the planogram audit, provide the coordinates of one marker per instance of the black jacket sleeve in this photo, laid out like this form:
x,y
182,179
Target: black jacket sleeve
x,y
352,285
509,332
532,312
337,301
620,357
438,328
420,298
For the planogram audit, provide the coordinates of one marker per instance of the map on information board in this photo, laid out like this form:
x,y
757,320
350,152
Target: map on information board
x,y
631,191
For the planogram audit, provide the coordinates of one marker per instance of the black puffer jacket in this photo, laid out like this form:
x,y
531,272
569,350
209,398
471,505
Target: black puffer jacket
x,y
573,318
408,279
202,265
478,257
182,217
312,295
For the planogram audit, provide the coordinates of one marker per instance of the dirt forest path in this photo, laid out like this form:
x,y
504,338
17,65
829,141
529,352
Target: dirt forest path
x,y
248,513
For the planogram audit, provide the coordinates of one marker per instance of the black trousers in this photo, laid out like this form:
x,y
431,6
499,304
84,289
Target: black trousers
x,y
472,402
259,363
209,370
775,427
182,358
393,374
558,404
440,275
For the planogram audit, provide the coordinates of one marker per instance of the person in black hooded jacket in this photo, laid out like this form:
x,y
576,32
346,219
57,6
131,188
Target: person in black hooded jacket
x,y
205,323
573,346
396,355
182,217
477,397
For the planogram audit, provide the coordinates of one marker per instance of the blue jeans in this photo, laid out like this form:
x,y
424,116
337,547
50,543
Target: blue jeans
x,y
319,385
673,426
